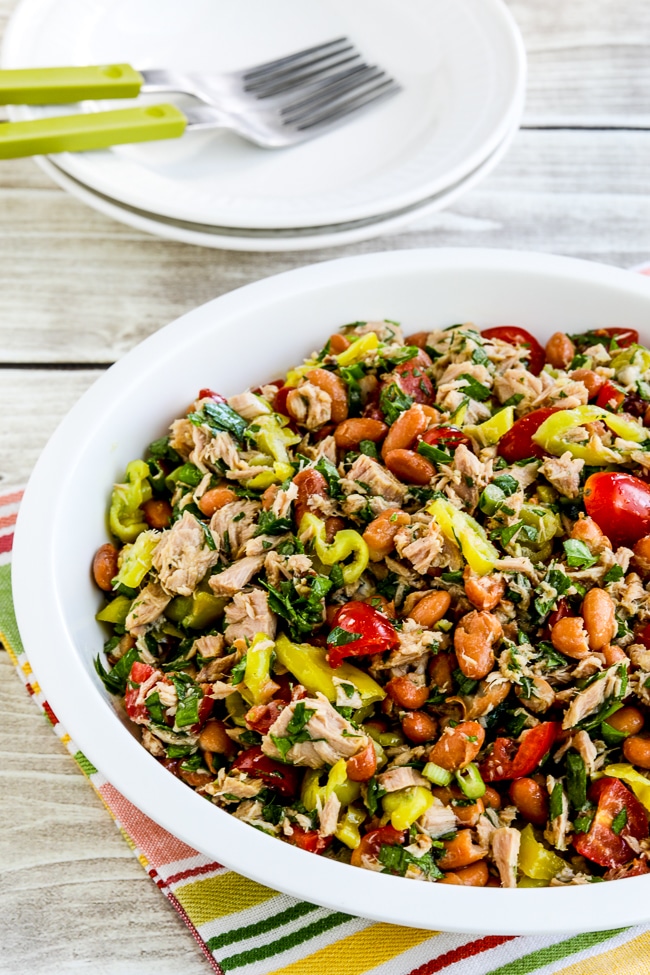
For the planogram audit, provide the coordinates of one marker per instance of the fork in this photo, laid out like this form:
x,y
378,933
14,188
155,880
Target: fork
x,y
276,104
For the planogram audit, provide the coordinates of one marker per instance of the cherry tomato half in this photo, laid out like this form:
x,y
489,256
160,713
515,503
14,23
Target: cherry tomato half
x,y
517,443
624,336
262,716
280,400
519,336
601,844
620,505
447,438
138,674
373,841
370,630
610,397
309,839
411,378
210,394
285,779
514,760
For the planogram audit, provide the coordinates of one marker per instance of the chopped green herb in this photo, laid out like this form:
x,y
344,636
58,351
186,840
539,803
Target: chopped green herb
x,y
474,389
508,484
619,821
557,801
576,782
578,555
238,671
613,574
369,448
397,860
332,476
269,524
393,401
465,684
338,637
115,680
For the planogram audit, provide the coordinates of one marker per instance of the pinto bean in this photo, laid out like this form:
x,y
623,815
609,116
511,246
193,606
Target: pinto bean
x,y
440,670
105,566
417,338
431,608
474,637
560,350
269,496
308,482
338,343
586,530
409,467
333,524
460,851
467,815
637,750
484,592
197,778
419,727
491,798
349,434
531,799
363,765
628,720
599,615
408,426
593,382
613,655
458,746
642,556
213,738
157,513
475,875
485,699
404,692
330,383
379,535
570,637
214,499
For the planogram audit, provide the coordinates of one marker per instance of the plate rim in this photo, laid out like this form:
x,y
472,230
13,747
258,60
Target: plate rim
x,y
76,167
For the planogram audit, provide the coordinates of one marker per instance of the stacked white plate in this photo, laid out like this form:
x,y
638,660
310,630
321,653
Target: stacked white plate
x,y
461,65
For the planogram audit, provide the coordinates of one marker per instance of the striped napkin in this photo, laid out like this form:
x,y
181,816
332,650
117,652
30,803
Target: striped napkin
x,y
243,927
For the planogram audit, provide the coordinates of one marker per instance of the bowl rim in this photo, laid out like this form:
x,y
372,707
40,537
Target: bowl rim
x,y
98,732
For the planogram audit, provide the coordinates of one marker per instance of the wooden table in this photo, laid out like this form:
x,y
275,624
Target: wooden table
x,y
77,291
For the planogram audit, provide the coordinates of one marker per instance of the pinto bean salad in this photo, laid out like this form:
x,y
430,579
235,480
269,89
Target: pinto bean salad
x,y
394,609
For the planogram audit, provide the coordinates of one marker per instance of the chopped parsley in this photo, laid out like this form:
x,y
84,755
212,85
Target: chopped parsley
x,y
393,402
369,448
578,555
373,794
613,574
219,417
270,524
338,637
576,781
189,696
304,614
332,476
238,671
465,684
397,860
474,389
296,729
619,821
115,680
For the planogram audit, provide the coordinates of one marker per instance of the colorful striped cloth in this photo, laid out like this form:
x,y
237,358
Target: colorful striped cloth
x,y
245,928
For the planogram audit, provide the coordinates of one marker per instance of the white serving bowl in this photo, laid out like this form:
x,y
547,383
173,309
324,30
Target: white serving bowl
x,y
242,339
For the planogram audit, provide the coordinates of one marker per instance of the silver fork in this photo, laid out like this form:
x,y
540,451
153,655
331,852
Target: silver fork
x,y
274,105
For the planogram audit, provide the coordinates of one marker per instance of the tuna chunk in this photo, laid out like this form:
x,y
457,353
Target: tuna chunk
x,y
310,406
147,608
505,850
589,700
182,556
564,473
248,405
247,615
438,820
329,815
236,576
472,476
218,668
181,437
235,524
400,778
331,737
373,477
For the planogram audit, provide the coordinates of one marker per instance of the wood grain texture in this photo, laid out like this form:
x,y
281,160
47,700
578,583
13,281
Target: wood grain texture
x,y
75,287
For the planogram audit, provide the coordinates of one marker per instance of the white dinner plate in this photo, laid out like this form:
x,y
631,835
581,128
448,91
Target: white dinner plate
x,y
461,64
308,238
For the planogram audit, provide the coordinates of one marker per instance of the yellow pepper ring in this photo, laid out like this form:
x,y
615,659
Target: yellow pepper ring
x,y
466,533
551,434
346,543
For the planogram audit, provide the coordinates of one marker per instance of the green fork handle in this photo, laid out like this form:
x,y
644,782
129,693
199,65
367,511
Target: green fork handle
x,y
95,130
53,86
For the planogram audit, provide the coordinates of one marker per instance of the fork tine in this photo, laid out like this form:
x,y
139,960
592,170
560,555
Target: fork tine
x,y
330,90
340,110
301,75
289,59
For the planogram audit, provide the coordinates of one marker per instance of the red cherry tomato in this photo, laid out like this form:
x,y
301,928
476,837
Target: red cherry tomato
x,y
138,674
519,336
447,438
517,443
514,760
624,336
620,505
373,841
309,840
601,844
643,636
411,378
285,779
563,609
371,631
280,401
210,394
610,397
262,716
